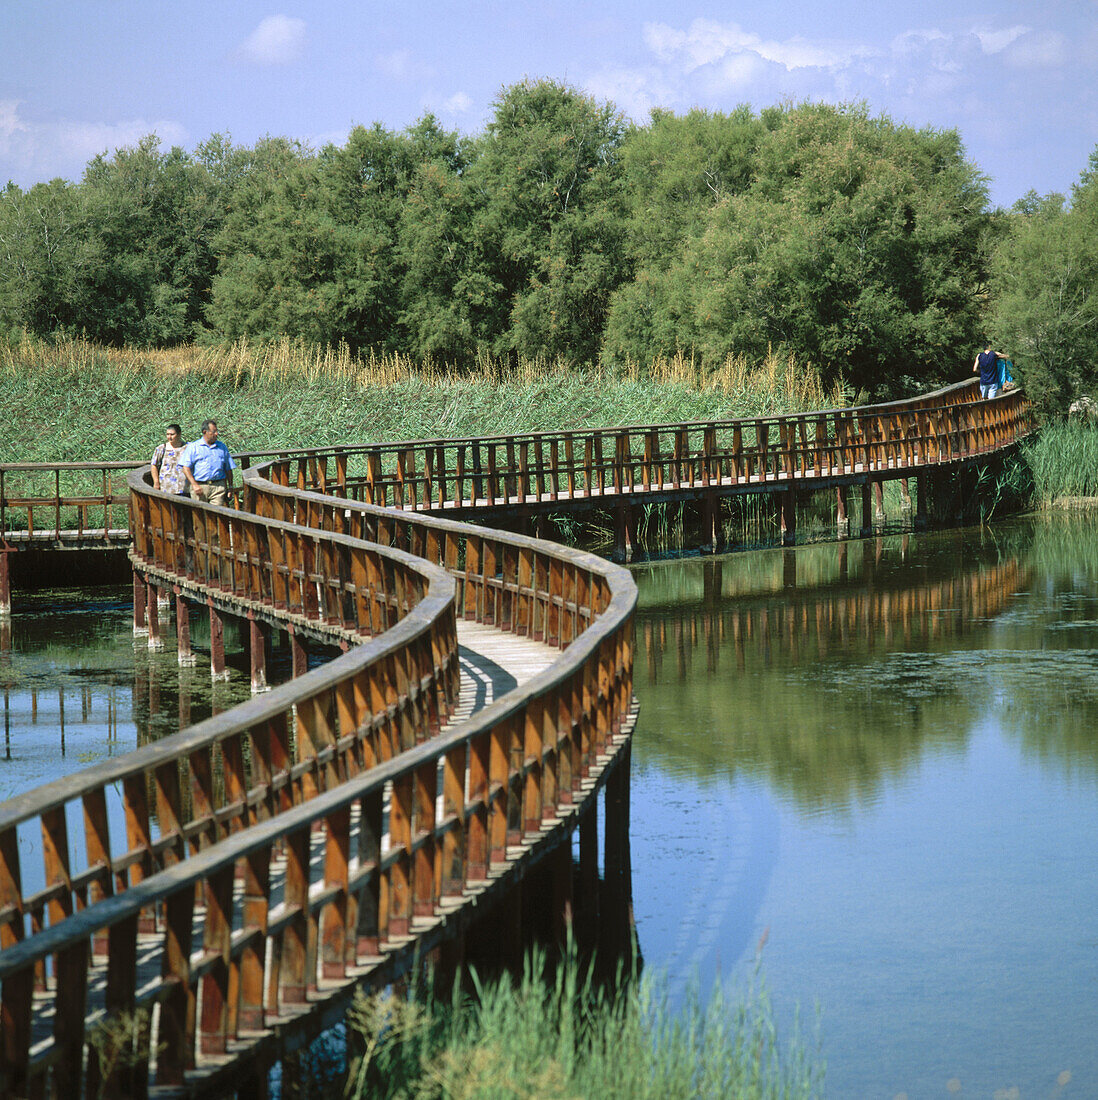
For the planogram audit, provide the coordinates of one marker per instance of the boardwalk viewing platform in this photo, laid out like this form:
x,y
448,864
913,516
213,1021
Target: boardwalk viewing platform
x,y
193,912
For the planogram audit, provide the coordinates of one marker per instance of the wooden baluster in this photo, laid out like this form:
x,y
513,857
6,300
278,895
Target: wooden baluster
x,y
426,871
570,465
499,790
523,621
478,481
371,898
293,938
493,473
490,594
401,496
476,838
375,485
175,1052
399,871
459,476
523,470
55,857
539,469
213,1031
451,860
474,590
202,800
169,813
254,911
71,1006
533,749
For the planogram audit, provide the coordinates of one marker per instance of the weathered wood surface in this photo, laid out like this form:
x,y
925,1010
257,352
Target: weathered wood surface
x,y
371,739
600,467
329,829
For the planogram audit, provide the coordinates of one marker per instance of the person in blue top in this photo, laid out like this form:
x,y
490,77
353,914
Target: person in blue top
x,y
987,366
209,467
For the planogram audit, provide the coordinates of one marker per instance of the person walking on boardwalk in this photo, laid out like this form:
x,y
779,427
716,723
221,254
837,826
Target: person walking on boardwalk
x,y
987,366
167,474
209,467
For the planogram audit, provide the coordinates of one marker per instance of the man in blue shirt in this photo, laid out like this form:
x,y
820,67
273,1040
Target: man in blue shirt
x,y
209,467
987,365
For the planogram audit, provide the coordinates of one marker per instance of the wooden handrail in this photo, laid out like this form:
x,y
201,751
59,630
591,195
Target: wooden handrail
x,y
388,579
525,757
600,466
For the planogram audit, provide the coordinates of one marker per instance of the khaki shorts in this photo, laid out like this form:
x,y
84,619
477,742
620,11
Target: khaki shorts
x,y
215,492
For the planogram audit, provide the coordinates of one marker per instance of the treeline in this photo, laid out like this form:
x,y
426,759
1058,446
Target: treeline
x,y
562,232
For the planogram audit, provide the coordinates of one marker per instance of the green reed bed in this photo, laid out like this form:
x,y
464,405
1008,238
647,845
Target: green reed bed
x,y
1063,460
72,400
567,1037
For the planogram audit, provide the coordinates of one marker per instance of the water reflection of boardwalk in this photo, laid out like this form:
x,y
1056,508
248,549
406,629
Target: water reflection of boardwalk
x,y
808,625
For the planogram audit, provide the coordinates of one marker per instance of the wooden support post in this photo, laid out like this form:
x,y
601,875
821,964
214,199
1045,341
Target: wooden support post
x,y
789,516
616,911
625,532
152,614
140,622
299,658
842,515
711,520
562,892
5,584
217,644
922,493
587,903
878,502
867,515
257,651
184,652
905,495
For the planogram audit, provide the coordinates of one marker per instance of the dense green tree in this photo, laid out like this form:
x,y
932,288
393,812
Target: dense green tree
x,y
547,209
151,216
856,245
44,253
1044,304
311,246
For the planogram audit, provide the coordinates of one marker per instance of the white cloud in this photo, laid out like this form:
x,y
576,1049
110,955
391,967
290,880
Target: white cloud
x,y
707,61
994,41
10,125
635,91
706,42
32,150
278,40
458,104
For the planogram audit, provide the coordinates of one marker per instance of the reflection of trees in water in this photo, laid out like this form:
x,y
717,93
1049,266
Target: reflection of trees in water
x,y
832,691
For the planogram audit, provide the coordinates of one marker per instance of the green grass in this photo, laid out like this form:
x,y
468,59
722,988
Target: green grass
x,y
1063,461
566,1037
71,400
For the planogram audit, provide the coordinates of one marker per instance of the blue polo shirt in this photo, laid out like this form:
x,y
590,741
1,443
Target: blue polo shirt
x,y
207,461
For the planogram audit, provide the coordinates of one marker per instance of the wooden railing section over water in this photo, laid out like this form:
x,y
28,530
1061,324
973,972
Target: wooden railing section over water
x,y
336,542
228,798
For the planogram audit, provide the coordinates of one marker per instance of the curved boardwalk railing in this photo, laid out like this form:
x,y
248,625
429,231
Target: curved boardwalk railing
x,y
325,748
599,466
320,546
606,466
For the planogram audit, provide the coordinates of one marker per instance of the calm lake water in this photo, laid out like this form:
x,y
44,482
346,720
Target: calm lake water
x,y
878,760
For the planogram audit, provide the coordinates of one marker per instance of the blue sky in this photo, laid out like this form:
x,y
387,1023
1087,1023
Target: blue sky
x,y
1018,80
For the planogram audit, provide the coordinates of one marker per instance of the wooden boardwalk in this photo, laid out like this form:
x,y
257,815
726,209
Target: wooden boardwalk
x,y
492,665
332,831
